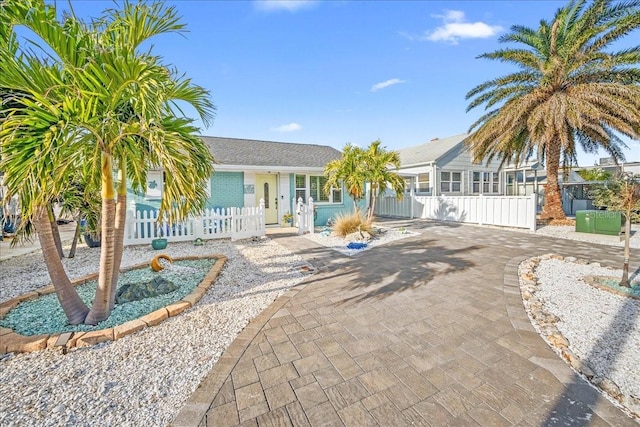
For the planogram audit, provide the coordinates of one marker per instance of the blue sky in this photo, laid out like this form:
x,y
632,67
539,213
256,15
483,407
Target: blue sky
x,y
333,72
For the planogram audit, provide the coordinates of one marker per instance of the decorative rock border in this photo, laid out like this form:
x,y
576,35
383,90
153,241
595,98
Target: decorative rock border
x,y
11,341
546,326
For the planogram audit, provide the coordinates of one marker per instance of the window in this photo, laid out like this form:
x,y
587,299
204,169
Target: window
x,y
301,188
316,190
422,183
485,182
450,182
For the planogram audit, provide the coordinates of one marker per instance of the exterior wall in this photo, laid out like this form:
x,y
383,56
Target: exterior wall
x,y
249,198
284,193
227,190
460,160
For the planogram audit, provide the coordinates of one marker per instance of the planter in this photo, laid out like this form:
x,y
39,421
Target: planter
x,y
90,242
158,244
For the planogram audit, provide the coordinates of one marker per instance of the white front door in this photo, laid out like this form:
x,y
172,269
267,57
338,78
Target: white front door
x,y
266,188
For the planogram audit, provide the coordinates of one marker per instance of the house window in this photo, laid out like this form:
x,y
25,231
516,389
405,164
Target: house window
x,y
301,188
450,182
485,182
315,189
422,183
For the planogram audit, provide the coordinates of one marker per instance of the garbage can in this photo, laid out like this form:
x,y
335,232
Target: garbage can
x,y
585,221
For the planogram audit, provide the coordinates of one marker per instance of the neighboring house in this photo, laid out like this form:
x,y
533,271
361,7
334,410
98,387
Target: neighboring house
x,y
445,167
248,170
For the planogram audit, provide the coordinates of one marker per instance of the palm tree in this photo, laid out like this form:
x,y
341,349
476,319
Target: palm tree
x,y
349,169
100,101
379,175
569,88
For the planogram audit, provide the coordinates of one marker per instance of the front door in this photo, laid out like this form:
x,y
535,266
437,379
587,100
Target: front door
x,y
266,189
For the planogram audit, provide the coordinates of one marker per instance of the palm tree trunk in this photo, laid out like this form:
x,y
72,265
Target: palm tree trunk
x,y
55,231
121,217
553,201
100,308
74,308
627,236
76,236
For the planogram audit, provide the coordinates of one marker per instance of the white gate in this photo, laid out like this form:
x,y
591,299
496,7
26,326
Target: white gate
x,y
304,216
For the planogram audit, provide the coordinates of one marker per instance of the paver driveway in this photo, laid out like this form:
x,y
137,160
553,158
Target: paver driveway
x,y
428,330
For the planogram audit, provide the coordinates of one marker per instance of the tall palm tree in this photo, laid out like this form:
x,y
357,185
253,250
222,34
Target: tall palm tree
x,y
378,162
570,87
349,169
101,101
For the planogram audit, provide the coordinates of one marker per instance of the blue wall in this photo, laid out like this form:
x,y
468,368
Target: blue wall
x,y
227,190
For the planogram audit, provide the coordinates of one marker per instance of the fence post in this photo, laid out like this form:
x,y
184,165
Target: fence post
x,y
130,221
534,202
262,218
300,216
198,229
310,216
481,218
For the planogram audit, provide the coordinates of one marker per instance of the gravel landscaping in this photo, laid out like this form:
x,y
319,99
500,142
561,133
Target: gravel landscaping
x,y
601,328
142,379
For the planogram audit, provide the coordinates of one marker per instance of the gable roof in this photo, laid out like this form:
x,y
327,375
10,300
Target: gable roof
x,y
430,151
248,152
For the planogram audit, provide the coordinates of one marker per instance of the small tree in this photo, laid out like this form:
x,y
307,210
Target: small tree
x,y
379,173
349,169
621,194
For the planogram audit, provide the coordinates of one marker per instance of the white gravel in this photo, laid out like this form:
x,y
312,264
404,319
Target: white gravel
x,y
568,232
145,378
383,235
603,328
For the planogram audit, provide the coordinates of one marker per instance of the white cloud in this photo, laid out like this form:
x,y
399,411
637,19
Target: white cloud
x,y
291,127
376,87
455,28
288,5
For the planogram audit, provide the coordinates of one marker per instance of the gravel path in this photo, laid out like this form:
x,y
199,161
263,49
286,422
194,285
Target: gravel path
x,y
145,378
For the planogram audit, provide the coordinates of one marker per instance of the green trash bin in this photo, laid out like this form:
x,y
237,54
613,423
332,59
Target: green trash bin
x,y
585,221
607,222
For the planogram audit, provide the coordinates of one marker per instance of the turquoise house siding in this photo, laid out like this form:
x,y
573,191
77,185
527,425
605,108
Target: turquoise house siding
x,y
227,190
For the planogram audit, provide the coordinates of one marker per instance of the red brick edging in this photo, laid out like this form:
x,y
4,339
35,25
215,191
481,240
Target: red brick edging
x,y
11,341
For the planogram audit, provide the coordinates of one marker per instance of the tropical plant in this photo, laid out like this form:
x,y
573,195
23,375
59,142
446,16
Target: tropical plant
x,y
621,194
349,169
594,174
90,96
570,90
380,175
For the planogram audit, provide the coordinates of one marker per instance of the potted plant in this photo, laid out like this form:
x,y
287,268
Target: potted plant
x,y
160,242
287,219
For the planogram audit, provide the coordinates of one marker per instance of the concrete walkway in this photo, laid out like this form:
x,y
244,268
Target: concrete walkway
x,y
428,330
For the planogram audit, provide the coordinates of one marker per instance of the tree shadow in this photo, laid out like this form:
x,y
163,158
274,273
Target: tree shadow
x,y
574,406
398,267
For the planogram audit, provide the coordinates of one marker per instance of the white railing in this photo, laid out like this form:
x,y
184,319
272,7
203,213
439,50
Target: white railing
x,y
304,216
235,223
508,211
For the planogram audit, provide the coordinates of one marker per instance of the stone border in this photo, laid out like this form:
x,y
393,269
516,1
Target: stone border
x,y
546,327
11,341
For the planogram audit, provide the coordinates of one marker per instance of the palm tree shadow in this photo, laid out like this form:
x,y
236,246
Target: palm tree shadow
x,y
400,267
575,405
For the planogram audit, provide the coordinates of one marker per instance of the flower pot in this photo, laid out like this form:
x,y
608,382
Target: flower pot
x,y
158,244
90,242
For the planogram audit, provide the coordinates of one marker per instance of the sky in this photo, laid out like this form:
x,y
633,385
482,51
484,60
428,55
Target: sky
x,y
337,72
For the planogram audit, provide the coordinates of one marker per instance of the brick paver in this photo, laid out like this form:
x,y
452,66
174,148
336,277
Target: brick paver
x,y
429,330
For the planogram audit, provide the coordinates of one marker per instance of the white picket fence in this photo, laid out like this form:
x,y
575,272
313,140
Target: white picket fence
x,y
508,211
304,216
235,223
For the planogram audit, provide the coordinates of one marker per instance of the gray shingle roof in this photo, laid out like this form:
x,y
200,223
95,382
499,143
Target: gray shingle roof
x,y
430,151
246,152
